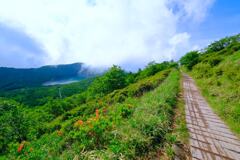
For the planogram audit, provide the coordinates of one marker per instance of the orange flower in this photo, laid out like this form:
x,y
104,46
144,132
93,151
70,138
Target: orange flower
x,y
97,114
78,123
20,148
31,149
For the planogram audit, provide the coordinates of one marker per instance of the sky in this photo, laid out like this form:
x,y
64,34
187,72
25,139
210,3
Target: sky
x,y
129,33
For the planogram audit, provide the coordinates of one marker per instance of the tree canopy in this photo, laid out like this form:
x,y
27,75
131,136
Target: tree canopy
x,y
190,59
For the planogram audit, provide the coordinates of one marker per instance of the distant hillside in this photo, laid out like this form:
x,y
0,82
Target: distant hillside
x,y
37,96
12,78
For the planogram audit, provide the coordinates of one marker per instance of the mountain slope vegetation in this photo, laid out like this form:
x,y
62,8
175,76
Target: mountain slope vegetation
x,y
38,96
91,123
216,71
119,114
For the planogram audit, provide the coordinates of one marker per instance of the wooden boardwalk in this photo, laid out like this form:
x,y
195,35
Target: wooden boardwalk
x,y
210,138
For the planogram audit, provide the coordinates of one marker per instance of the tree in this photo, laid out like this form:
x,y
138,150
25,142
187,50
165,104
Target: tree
x,y
190,59
153,68
114,78
222,43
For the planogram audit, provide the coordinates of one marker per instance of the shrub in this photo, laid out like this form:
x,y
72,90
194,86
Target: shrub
x,y
213,61
190,59
114,78
202,70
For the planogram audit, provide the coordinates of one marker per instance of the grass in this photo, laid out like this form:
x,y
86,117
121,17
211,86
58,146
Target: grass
x,y
133,129
220,85
118,96
177,144
180,131
180,125
229,111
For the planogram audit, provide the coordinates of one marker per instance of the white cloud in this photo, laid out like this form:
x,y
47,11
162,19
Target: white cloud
x,y
194,9
105,32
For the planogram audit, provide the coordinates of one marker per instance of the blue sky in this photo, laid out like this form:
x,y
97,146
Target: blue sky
x,y
129,33
223,20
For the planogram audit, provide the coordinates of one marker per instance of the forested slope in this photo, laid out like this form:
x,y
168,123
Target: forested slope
x,y
37,96
12,78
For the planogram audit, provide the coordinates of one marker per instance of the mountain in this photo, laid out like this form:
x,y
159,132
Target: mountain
x,y
120,114
13,78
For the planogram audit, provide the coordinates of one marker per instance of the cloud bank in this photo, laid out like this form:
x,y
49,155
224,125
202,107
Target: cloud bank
x,y
18,49
106,32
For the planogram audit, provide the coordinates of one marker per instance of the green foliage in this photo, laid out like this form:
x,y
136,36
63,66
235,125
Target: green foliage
x,y
124,130
13,124
118,115
223,43
217,74
101,137
38,96
137,89
68,127
114,78
190,59
152,68
150,120
133,90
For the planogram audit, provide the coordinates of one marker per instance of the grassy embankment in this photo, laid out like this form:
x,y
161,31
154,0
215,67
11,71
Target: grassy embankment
x,y
218,77
130,126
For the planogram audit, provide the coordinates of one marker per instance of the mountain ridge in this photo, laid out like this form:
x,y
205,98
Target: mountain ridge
x,y
15,78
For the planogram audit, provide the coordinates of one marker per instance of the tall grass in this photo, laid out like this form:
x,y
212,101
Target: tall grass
x,y
220,84
127,130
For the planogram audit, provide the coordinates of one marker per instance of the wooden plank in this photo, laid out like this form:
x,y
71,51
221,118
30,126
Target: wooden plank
x,y
210,138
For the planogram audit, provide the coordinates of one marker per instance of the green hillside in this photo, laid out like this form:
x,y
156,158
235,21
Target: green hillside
x,y
115,117
37,96
120,114
217,72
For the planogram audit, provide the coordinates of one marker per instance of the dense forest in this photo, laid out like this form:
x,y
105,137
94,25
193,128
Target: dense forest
x,y
119,114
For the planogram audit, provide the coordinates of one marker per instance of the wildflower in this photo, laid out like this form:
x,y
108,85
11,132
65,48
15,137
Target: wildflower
x,y
31,149
97,114
78,123
20,148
